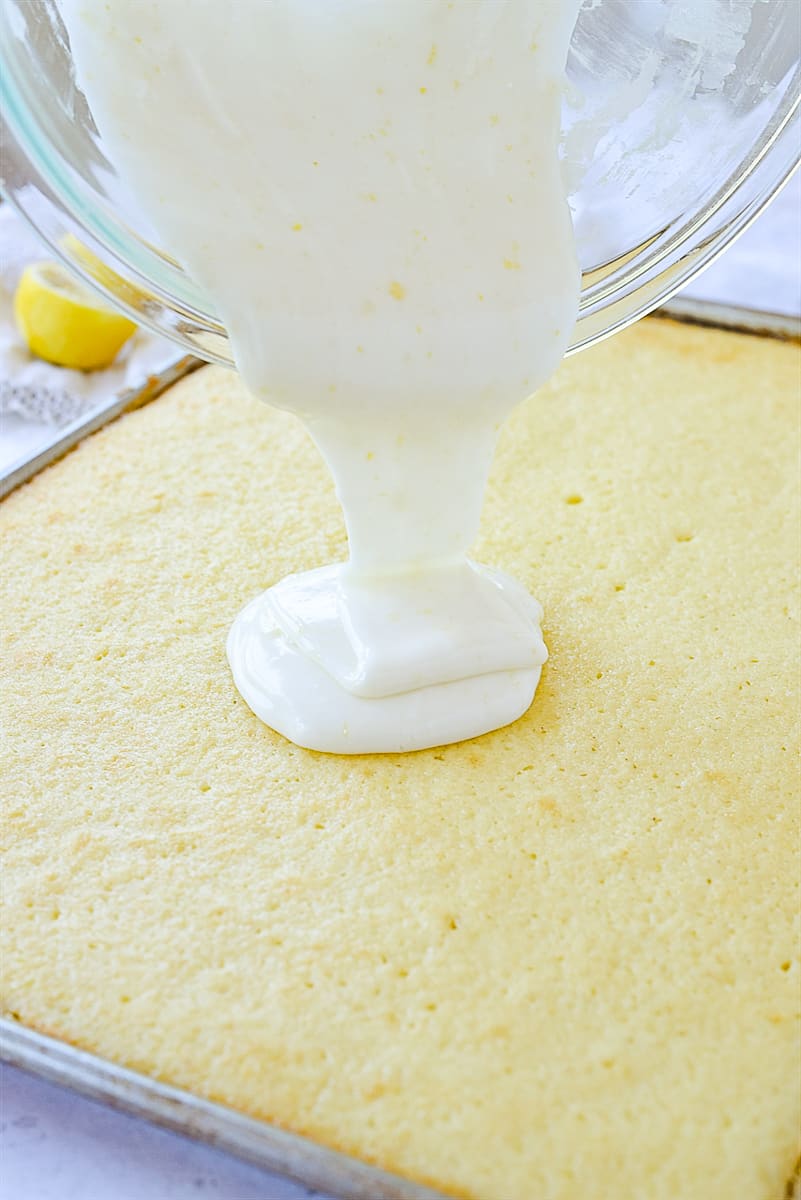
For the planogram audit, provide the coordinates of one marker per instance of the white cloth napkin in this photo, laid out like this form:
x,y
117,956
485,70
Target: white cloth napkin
x,y
50,395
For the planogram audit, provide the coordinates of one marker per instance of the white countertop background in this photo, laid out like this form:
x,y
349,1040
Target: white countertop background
x,y
55,1145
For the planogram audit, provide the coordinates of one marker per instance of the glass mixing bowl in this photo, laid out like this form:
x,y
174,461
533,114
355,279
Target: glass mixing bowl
x,y
682,119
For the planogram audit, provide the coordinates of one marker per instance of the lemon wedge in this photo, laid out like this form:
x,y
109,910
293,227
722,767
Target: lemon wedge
x,y
64,323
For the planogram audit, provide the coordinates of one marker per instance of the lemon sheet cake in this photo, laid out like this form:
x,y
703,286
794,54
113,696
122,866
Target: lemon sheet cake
x,y
557,961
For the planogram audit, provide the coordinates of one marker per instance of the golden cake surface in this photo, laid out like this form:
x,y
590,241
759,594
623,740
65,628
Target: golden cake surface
x,y
558,961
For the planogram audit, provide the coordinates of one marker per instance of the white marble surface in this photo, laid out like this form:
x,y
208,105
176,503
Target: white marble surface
x,y
56,1146
763,268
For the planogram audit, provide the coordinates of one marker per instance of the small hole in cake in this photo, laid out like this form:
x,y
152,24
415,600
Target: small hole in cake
x,y
785,966
684,537
205,787
574,498
620,587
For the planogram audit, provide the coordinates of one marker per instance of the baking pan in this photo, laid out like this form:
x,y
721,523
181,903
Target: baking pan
x,y
256,1141
269,1147
691,312
67,438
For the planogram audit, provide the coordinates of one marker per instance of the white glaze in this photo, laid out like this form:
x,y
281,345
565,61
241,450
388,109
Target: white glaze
x,y
370,192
